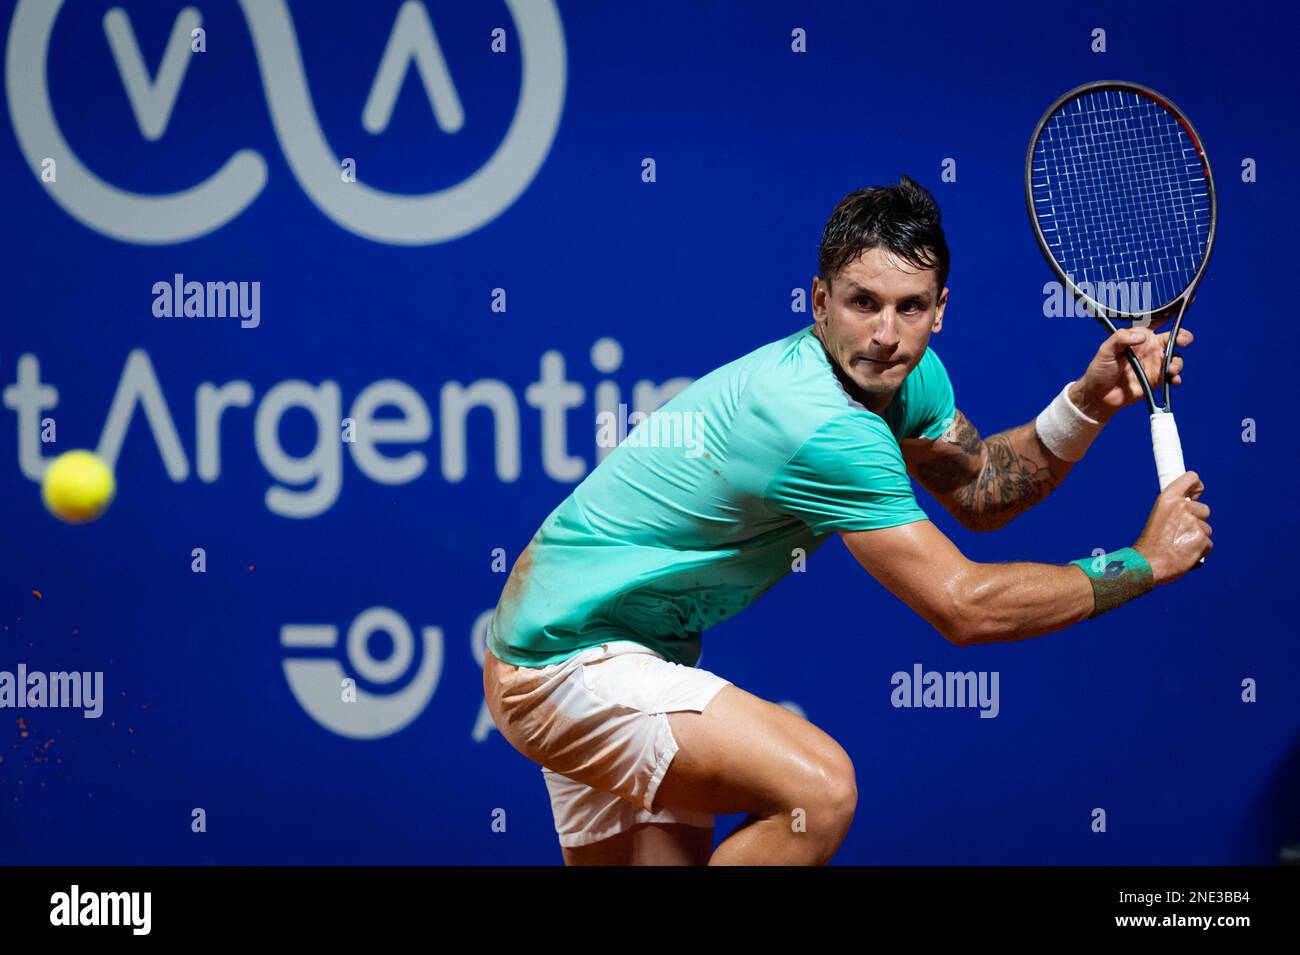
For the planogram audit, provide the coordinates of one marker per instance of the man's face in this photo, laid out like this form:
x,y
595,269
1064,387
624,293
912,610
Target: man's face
x,y
877,322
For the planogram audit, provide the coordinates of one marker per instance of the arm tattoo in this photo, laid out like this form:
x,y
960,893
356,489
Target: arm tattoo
x,y
1009,483
949,472
988,482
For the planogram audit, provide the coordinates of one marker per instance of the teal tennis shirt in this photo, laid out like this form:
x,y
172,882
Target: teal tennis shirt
x,y
709,501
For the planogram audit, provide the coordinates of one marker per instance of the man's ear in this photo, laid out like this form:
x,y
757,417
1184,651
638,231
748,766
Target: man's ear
x,y
938,311
820,290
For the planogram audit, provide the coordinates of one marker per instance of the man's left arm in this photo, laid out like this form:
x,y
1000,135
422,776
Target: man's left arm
x,y
985,482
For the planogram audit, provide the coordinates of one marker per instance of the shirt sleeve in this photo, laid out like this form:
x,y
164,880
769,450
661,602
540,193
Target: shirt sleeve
x,y
935,405
848,476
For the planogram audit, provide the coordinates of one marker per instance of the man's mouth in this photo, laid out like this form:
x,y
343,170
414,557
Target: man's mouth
x,y
882,362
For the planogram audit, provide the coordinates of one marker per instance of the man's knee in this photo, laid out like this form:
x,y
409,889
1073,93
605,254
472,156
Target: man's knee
x,y
828,798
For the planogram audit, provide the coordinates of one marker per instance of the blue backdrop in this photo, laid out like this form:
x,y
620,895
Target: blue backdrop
x,y
501,227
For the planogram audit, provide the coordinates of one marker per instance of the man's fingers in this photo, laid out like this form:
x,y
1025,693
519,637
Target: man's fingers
x,y
1151,352
1133,338
1188,484
1145,344
1149,349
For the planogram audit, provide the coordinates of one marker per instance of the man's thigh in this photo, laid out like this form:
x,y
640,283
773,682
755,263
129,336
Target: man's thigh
x,y
647,844
597,724
745,754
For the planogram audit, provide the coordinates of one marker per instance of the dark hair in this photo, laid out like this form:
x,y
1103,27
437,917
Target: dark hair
x,y
904,219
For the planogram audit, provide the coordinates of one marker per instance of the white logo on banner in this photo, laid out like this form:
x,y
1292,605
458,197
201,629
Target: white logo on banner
x,y
382,216
318,682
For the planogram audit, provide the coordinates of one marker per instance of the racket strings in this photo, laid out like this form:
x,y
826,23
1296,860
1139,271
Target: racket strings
x,y
1120,194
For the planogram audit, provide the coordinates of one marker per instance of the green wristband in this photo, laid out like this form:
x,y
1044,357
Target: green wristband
x,y
1116,578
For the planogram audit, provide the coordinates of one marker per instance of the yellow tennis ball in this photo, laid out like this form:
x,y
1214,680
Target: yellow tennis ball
x,y
78,486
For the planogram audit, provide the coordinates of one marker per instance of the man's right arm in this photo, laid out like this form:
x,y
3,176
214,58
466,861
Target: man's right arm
x,y
971,603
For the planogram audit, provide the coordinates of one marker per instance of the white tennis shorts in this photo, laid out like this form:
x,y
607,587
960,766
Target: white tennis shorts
x,y
597,724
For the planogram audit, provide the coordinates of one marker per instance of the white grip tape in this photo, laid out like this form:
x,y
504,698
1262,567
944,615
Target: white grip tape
x,y
1169,450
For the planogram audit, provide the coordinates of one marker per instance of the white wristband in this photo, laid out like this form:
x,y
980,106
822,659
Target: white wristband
x,y
1065,429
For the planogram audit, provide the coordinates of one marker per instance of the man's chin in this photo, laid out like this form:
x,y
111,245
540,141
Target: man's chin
x,y
871,381
868,385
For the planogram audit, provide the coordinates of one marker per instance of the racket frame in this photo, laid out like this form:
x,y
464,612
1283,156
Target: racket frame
x,y
1104,314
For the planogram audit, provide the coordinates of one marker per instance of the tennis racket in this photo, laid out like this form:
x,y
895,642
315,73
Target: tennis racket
x,y
1122,203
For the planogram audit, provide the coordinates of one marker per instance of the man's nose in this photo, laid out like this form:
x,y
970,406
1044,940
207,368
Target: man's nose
x,y
887,331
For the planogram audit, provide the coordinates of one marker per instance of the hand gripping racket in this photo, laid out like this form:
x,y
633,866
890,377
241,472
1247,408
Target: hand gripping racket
x,y
1122,202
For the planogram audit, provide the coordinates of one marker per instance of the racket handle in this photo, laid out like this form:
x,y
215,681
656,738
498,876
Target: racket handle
x,y
1169,451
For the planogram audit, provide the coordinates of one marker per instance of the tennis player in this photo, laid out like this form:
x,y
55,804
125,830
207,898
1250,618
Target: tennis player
x,y
591,669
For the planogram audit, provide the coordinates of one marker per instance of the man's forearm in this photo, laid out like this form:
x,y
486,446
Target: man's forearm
x,y
1017,471
971,603
984,483
1000,603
